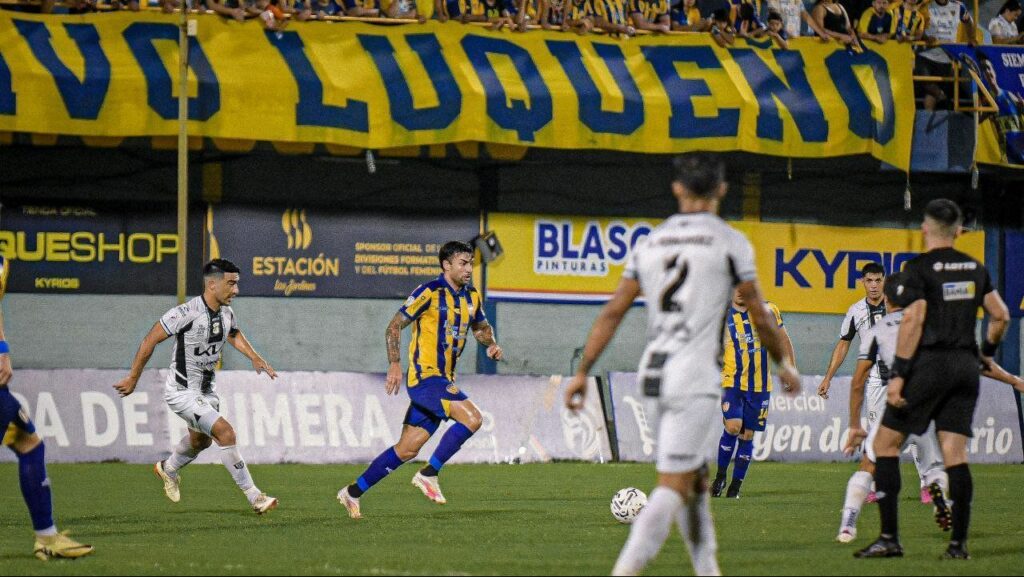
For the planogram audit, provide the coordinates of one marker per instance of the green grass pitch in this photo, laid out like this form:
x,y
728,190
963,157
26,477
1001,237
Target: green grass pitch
x,y
512,519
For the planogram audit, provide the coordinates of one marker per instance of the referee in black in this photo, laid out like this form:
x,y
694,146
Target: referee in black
x,y
935,375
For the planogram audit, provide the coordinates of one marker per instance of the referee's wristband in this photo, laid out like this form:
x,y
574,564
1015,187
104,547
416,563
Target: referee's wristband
x,y
900,368
4,348
989,349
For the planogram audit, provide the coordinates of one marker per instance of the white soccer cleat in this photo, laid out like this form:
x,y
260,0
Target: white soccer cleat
x,y
430,487
172,482
264,504
350,503
847,535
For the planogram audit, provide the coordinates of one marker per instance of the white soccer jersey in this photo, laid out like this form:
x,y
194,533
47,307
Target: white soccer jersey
x,y
878,343
860,317
687,269
944,21
200,335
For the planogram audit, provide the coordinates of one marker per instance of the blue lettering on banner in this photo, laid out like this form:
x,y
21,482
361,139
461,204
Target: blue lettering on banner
x,y
430,53
830,266
589,95
797,96
683,123
556,253
8,101
140,37
862,122
782,267
82,98
525,121
311,110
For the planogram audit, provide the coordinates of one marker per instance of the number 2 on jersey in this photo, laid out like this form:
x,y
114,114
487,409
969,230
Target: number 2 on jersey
x,y
668,305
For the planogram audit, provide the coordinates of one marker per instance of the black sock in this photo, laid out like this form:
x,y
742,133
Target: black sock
x,y
961,491
354,491
429,471
887,484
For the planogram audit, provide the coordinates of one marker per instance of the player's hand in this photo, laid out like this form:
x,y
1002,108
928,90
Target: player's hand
x,y
261,366
394,379
576,393
857,436
6,372
126,386
895,396
495,353
823,388
790,379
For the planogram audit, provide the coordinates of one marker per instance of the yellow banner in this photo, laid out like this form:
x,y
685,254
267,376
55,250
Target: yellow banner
x,y
802,268
372,86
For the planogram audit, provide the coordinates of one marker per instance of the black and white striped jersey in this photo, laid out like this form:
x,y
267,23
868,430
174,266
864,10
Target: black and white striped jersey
x,y
861,316
199,338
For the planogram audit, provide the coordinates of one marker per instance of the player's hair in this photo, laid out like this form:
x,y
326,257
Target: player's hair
x,y
946,214
1009,6
872,268
700,173
451,249
217,267
894,289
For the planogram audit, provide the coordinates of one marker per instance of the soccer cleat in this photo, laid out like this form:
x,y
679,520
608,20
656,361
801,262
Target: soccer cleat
x,y
172,482
60,546
734,489
718,486
847,535
872,497
956,551
264,504
430,487
881,549
350,503
943,514
926,495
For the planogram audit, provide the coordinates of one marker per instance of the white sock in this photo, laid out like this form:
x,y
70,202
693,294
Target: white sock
x,y
181,455
937,475
702,542
915,452
856,492
649,531
232,460
52,531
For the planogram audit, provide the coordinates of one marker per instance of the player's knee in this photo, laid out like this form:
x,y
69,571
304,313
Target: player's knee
x,y
225,436
25,442
201,443
406,452
733,428
473,421
747,435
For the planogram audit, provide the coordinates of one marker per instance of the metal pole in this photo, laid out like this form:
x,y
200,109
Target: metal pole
x,y
183,152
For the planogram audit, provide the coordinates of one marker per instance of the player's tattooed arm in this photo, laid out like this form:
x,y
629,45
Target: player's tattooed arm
x,y
484,334
156,336
393,340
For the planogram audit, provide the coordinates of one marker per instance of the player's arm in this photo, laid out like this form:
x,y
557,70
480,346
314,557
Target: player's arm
x,y
992,370
838,358
860,378
601,334
483,332
998,323
157,335
242,344
787,345
769,332
393,339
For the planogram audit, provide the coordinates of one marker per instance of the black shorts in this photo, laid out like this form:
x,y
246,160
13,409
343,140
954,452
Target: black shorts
x,y
943,387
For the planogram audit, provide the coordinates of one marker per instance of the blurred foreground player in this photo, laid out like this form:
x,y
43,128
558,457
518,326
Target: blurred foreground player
x,y
19,435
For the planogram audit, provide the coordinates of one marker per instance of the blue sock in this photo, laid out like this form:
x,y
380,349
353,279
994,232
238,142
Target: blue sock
x,y
725,449
450,444
385,464
744,454
35,487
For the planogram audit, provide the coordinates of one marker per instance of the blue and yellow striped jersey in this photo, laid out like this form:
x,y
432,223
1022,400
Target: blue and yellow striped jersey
x,y
746,364
4,271
442,318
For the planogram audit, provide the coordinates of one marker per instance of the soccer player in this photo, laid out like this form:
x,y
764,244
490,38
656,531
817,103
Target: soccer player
x,y
201,327
934,375
442,312
746,391
861,316
19,435
687,269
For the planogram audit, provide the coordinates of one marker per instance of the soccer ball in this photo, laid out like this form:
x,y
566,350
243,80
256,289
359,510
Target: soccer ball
x,y
627,504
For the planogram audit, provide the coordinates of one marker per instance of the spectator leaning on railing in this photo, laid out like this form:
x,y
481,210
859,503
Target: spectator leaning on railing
x,y
877,23
362,8
1004,26
776,31
686,17
650,15
721,28
748,25
794,13
908,22
833,19
945,22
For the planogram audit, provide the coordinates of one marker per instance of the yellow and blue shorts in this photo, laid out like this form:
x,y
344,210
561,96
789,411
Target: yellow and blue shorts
x,y
431,402
12,418
751,407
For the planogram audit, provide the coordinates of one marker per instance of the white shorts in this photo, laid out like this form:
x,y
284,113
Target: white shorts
x,y
875,399
688,432
198,410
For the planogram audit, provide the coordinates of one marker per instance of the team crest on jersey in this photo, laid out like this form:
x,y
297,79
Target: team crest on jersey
x,y
725,407
453,389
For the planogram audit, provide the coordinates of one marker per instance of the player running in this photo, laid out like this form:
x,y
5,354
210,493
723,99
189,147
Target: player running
x,y
442,312
746,392
201,328
19,435
687,269
861,316
934,374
